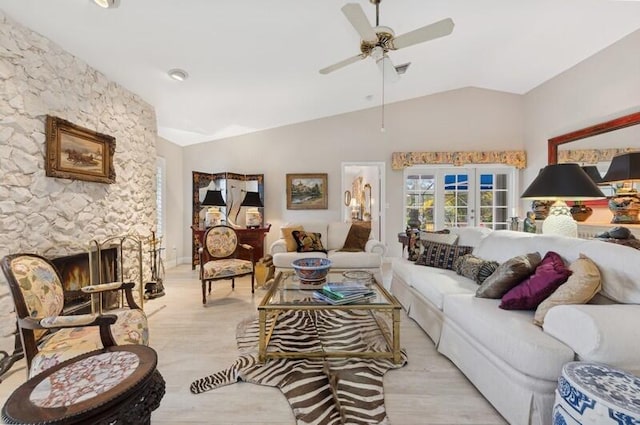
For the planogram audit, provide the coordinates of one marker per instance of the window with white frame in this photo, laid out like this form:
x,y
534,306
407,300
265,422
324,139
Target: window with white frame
x,y
437,197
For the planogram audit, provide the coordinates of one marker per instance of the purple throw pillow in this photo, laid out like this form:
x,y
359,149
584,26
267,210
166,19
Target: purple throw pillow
x,y
549,275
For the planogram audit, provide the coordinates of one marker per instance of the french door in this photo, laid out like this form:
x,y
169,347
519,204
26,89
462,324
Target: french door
x,y
437,197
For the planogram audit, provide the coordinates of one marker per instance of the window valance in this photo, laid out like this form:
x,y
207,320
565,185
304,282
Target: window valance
x,y
400,160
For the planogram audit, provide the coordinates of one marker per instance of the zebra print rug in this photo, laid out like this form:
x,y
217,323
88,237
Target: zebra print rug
x,y
319,391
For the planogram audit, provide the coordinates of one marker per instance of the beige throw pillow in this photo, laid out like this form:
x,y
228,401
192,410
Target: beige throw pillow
x,y
583,284
287,235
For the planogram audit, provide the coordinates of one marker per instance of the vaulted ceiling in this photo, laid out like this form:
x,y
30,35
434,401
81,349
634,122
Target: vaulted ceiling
x,y
254,64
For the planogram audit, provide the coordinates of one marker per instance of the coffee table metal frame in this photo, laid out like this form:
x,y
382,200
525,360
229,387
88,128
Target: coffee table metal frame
x,y
285,295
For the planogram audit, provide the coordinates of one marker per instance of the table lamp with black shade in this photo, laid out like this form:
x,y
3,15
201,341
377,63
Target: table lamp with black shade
x,y
213,199
559,183
625,204
253,218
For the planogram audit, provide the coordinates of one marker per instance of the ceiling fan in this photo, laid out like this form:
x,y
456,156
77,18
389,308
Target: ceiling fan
x,y
377,41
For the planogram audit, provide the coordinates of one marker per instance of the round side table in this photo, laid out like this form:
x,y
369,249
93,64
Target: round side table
x,y
116,385
598,394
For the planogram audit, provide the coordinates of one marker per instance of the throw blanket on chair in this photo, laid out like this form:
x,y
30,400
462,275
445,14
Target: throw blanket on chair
x,y
322,390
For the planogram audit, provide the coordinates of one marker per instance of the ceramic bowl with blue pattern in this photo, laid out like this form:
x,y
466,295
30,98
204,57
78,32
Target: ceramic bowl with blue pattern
x,y
311,270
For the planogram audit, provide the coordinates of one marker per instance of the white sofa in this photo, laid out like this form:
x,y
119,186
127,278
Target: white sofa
x,y
514,363
333,236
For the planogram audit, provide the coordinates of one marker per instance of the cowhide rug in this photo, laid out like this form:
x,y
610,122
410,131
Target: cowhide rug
x,y
322,390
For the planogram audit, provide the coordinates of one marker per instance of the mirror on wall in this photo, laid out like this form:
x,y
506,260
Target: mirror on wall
x,y
597,143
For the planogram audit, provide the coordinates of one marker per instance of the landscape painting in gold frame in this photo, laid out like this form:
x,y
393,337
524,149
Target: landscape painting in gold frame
x,y
77,153
307,191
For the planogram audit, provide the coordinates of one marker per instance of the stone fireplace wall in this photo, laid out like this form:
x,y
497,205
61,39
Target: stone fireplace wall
x,y
53,216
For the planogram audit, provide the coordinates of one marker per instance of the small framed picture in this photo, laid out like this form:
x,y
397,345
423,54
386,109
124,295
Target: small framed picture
x,y
307,192
77,153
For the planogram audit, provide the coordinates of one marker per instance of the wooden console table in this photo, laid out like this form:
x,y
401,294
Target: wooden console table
x,y
253,237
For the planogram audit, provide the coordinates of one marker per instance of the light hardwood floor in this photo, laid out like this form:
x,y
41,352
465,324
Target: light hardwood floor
x,y
193,341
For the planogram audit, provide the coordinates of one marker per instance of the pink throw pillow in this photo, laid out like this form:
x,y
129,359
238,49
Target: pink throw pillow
x,y
549,275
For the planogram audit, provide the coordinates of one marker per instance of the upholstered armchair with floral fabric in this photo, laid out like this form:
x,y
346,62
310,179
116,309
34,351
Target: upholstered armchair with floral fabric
x,y
219,258
38,296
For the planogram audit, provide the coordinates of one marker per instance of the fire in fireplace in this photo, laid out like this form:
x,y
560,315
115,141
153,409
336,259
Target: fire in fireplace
x,y
76,271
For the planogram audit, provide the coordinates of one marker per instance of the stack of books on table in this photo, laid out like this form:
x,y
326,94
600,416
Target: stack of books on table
x,y
344,293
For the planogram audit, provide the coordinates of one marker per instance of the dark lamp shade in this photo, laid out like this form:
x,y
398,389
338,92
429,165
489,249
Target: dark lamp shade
x,y
252,199
562,182
593,173
623,167
213,198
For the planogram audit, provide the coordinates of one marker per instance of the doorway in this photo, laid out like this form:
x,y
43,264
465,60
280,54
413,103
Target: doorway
x,y
363,195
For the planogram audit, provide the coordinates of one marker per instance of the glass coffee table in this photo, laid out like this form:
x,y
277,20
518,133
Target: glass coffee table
x,y
286,296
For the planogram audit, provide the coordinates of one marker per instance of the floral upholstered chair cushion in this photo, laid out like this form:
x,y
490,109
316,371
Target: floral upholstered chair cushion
x,y
221,241
219,269
41,291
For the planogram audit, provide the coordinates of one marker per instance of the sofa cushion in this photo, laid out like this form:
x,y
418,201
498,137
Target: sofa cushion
x,y
441,255
435,284
288,237
356,238
471,235
508,334
337,232
548,276
508,274
600,333
580,287
308,241
440,237
354,260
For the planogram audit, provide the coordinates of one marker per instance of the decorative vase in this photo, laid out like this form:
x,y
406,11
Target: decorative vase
x,y
581,212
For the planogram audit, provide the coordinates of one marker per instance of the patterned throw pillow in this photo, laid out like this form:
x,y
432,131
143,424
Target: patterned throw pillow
x,y
413,249
486,269
308,241
442,255
468,265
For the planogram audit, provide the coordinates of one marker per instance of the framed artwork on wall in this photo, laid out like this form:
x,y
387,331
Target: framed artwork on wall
x,y
307,191
77,153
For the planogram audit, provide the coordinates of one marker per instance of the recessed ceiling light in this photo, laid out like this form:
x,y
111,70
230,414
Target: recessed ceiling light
x,y
178,74
107,4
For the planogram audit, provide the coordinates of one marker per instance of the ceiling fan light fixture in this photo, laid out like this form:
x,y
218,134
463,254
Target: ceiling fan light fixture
x,y
107,4
387,69
178,74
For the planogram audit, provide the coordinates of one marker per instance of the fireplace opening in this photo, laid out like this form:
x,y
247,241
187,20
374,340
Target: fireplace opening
x,y
77,271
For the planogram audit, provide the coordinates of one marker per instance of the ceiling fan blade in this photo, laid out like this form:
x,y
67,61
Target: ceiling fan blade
x,y
429,32
387,69
342,64
355,15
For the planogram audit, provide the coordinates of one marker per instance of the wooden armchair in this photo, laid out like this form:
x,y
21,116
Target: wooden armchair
x,y
38,297
219,258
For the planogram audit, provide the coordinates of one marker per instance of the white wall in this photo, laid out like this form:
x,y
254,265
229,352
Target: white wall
x,y
465,119
602,87
174,193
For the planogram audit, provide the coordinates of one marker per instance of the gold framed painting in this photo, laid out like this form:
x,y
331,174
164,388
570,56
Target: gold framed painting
x,y
307,191
77,153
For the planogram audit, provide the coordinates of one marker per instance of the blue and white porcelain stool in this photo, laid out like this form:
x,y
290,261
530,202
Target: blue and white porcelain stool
x,y
598,394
